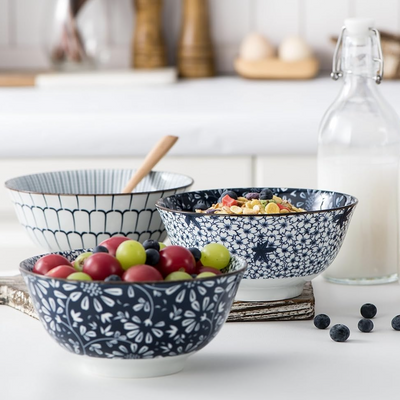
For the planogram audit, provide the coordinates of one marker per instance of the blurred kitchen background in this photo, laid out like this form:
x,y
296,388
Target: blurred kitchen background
x,y
23,27
233,132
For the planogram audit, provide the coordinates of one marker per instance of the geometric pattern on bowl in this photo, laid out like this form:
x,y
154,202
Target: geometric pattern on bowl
x,y
127,320
66,210
276,246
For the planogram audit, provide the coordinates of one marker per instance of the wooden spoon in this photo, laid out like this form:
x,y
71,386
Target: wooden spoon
x,y
155,155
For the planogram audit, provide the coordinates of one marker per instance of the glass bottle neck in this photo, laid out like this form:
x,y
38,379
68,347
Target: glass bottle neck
x,y
358,59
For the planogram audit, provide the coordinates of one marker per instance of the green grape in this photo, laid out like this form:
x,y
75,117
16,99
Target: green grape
x,y
178,276
162,245
79,276
130,253
205,274
215,255
78,263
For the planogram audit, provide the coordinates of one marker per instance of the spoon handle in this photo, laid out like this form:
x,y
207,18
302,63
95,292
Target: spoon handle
x,y
156,154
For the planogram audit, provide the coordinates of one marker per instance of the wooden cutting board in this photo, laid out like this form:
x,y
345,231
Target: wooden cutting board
x,y
13,293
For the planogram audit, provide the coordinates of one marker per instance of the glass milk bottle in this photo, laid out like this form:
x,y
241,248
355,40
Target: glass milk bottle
x,y
358,154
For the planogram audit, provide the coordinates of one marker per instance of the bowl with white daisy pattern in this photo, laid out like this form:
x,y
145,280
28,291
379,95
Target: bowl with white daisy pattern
x,y
66,210
132,329
283,250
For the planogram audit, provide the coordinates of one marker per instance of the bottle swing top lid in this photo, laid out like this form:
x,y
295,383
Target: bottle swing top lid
x,y
357,27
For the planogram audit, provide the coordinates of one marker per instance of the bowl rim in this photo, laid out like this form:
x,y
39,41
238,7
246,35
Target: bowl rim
x,y
23,270
8,182
354,203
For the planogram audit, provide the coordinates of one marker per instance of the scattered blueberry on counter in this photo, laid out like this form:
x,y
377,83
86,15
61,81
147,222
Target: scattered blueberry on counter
x,y
339,333
368,310
365,325
322,321
396,323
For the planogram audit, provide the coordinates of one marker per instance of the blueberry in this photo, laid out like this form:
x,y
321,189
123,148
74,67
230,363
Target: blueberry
x,y
396,323
113,278
200,205
368,310
252,196
266,194
151,244
100,249
230,193
339,333
365,325
152,257
322,321
196,253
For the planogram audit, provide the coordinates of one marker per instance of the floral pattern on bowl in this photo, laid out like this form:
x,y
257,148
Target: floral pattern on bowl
x,y
276,246
124,320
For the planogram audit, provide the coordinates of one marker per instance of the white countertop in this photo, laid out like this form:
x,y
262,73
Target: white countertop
x,y
258,360
218,116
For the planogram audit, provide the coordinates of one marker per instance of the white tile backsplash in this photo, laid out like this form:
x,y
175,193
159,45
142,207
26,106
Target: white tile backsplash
x,y
30,21
121,15
321,23
277,19
230,21
22,23
385,13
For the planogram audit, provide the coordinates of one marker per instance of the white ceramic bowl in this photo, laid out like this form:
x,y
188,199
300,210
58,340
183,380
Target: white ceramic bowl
x,y
67,210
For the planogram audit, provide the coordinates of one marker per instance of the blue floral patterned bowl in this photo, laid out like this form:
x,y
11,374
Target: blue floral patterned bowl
x,y
68,210
283,251
125,329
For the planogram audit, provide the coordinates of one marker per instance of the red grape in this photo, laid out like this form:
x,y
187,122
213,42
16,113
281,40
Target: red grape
x,y
48,262
176,258
101,265
209,269
142,273
62,271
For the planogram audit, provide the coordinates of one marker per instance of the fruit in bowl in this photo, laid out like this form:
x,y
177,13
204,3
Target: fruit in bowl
x,y
131,327
284,248
66,210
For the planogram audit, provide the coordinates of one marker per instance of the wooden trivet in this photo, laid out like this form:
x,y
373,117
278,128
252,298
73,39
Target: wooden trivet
x,y
13,293
297,308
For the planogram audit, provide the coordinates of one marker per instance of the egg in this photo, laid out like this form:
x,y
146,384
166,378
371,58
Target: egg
x,y
255,47
294,48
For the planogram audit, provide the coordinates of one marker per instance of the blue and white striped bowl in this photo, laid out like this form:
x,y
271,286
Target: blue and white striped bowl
x,y
66,210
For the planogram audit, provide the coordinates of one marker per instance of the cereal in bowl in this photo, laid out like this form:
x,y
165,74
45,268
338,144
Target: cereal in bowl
x,y
252,203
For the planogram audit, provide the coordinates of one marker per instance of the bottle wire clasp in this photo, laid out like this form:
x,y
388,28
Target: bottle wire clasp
x,y
336,63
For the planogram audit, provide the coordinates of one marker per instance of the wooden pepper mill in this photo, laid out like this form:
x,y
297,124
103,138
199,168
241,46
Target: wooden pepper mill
x,y
195,51
148,42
